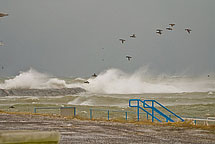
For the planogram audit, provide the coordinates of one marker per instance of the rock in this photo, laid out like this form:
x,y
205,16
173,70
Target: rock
x,y
41,92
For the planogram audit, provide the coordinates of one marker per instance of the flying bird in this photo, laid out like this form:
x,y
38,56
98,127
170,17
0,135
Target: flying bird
x,y
122,40
133,36
128,57
87,82
188,30
169,28
159,32
172,25
3,14
94,75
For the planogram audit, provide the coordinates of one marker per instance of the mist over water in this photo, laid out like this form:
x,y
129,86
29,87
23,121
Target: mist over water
x,y
113,81
185,95
32,79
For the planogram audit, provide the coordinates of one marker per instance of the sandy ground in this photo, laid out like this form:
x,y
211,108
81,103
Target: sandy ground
x,y
83,131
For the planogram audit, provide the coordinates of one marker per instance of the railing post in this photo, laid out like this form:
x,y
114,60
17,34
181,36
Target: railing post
x,y
138,113
167,118
108,114
126,115
91,114
152,111
74,111
195,122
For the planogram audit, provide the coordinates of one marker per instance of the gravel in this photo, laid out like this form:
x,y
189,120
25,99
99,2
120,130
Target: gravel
x,y
84,131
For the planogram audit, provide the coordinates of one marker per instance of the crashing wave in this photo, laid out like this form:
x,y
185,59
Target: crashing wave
x,y
113,81
33,80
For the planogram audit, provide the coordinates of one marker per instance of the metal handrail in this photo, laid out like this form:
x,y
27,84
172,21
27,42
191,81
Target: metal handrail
x,y
158,111
166,109
138,107
150,114
145,105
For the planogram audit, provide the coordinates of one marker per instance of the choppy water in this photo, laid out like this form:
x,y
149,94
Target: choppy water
x,y
187,96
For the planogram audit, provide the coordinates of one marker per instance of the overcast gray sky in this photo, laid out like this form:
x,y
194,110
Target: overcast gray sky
x,y
66,37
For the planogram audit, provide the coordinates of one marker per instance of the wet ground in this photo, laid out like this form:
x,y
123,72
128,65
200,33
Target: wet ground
x,y
84,131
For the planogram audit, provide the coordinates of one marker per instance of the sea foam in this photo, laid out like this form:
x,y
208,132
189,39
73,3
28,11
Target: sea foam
x,y
114,81
32,79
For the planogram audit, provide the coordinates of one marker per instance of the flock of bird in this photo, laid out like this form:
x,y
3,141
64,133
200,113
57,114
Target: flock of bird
x,y
128,57
123,41
160,31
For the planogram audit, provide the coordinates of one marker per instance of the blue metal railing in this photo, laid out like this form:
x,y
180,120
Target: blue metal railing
x,y
142,104
91,111
147,106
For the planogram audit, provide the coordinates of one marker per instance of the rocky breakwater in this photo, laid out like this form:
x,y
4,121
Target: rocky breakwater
x,y
41,92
